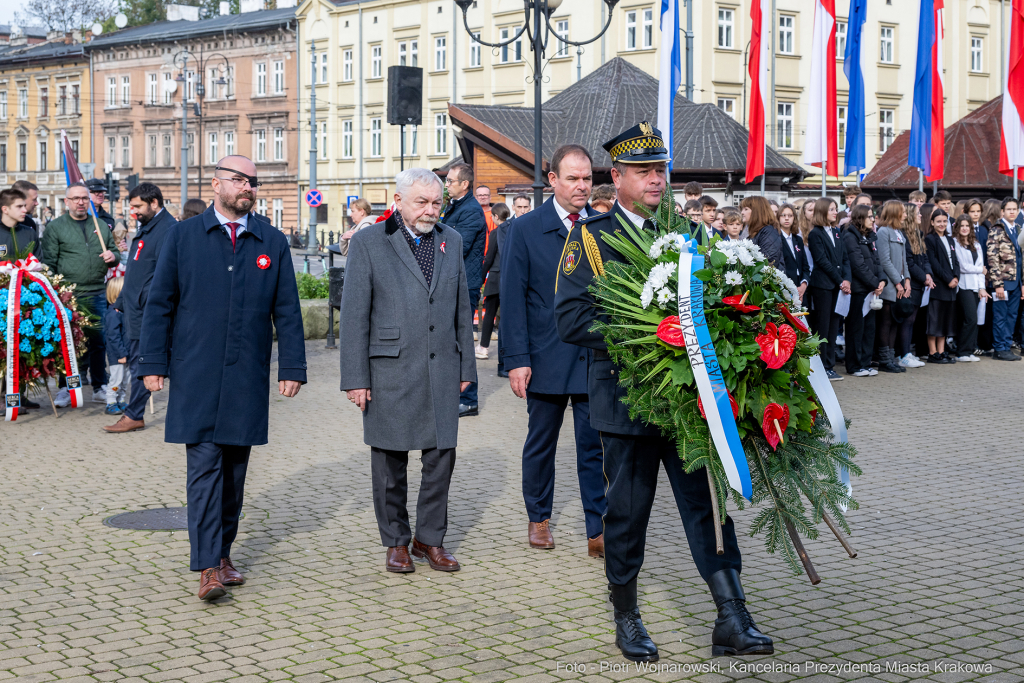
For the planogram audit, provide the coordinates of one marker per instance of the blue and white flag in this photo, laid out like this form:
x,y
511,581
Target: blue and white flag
x,y
856,157
670,71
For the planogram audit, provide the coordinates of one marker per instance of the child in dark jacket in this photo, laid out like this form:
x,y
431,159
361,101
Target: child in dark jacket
x,y
117,350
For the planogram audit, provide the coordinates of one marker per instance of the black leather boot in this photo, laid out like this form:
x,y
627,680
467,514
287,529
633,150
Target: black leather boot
x,y
630,635
735,631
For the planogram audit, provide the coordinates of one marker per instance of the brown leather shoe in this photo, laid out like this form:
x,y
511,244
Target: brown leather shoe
x,y
230,576
398,560
540,535
440,559
210,587
125,424
595,546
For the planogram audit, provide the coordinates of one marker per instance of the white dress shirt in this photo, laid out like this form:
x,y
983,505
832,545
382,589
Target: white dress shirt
x,y
638,221
788,237
224,220
564,215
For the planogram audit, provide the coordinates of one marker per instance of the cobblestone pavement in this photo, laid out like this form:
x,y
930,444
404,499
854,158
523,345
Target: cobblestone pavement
x,y
938,583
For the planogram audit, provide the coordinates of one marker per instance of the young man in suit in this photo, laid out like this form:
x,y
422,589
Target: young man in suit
x,y
543,369
634,451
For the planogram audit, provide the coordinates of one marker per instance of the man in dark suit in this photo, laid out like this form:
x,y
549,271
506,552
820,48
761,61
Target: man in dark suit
x,y
143,253
466,217
634,451
543,369
224,283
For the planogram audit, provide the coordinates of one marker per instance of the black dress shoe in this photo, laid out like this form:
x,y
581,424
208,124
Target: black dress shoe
x,y
28,404
630,635
735,631
468,411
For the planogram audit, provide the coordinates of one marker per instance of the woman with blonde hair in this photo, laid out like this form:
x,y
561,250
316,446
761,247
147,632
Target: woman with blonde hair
x,y
830,276
760,220
360,210
892,256
920,279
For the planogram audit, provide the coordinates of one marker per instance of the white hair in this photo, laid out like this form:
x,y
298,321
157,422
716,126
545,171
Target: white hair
x,y
415,176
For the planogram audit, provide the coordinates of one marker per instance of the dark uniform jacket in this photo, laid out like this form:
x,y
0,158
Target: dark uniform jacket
x,y
16,240
143,253
795,260
224,307
945,266
865,267
467,218
583,256
831,262
105,216
529,339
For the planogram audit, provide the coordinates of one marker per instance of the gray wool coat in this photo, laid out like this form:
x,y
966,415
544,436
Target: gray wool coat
x,y
408,343
892,256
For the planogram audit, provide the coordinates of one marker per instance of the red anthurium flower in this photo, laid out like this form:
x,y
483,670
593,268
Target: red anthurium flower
x,y
670,332
814,416
737,302
776,419
732,402
796,322
777,344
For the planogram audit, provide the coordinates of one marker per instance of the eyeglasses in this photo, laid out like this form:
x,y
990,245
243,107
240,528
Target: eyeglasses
x,y
78,199
242,182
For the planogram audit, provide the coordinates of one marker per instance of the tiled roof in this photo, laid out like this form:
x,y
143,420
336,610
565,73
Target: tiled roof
x,y
972,156
615,97
162,31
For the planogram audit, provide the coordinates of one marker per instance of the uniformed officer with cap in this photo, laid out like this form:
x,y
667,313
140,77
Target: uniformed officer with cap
x,y
98,194
633,450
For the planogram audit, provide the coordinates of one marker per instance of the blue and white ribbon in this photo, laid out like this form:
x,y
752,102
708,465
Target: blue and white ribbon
x,y
707,373
830,404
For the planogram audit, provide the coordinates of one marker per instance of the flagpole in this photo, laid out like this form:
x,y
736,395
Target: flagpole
x,y
920,180
1015,181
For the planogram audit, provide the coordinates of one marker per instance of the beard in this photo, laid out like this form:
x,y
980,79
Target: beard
x,y
144,219
240,203
424,225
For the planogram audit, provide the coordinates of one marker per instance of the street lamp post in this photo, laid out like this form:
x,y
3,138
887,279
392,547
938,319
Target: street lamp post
x,y
538,37
181,61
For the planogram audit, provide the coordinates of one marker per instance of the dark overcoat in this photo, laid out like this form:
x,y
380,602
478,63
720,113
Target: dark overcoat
x,y
142,257
529,337
223,306
408,342
465,217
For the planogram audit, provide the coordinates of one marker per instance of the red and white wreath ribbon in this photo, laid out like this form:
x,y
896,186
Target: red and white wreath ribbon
x,y
28,268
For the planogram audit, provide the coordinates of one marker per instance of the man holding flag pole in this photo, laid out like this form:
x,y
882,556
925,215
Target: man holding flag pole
x,y
75,246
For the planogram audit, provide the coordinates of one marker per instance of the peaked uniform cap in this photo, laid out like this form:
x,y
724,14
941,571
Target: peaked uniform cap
x,y
641,144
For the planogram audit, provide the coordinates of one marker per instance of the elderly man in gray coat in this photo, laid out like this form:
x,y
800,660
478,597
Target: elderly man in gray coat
x,y
407,327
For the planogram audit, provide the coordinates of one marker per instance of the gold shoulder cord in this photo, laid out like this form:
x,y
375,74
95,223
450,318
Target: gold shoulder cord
x,y
593,252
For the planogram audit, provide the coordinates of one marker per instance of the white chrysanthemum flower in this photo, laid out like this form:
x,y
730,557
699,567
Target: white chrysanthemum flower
x,y
655,252
665,296
733,278
745,257
660,274
647,295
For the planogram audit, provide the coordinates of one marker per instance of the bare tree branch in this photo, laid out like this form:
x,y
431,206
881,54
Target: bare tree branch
x,y
63,15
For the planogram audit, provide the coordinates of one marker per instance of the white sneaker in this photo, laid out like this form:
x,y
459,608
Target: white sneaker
x,y
862,373
63,399
909,361
968,359
100,395
481,353
872,372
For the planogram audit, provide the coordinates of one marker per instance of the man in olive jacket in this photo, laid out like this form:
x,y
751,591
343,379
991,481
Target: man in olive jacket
x,y
72,248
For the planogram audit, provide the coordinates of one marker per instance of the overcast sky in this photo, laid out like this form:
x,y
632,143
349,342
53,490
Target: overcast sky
x,y
7,10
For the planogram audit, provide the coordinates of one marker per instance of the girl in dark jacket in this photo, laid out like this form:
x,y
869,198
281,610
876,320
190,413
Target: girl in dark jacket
x,y
920,280
761,229
859,240
830,275
942,303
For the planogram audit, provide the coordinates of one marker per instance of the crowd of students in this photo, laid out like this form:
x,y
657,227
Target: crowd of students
x,y
890,285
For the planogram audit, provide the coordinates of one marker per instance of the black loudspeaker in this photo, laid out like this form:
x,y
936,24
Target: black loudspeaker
x,y
405,95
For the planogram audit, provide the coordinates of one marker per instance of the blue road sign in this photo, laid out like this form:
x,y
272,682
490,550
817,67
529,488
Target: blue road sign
x,y
314,198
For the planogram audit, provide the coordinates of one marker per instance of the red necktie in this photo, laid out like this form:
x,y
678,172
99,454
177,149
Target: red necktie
x,y
231,231
573,217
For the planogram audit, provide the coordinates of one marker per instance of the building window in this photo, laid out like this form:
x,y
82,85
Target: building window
x,y
23,103
42,155
231,82
212,89
648,28
410,147
323,67
111,92
190,86
785,34
841,127
346,139
168,94
279,144
784,123
126,91
976,49
62,100
323,140
886,130
167,149
728,105
562,33
885,41
403,51
3,105
278,212
191,148
474,51
440,53
229,143
75,100
440,134
22,156
840,40
213,148
151,89
278,78
513,52
414,53
3,157
44,102
375,61
261,144
346,65
375,141
261,80
151,161
725,28
111,150
261,206
126,151
631,30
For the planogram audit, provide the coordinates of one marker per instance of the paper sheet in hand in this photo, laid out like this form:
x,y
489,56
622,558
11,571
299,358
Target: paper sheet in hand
x,y
867,304
926,297
843,304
